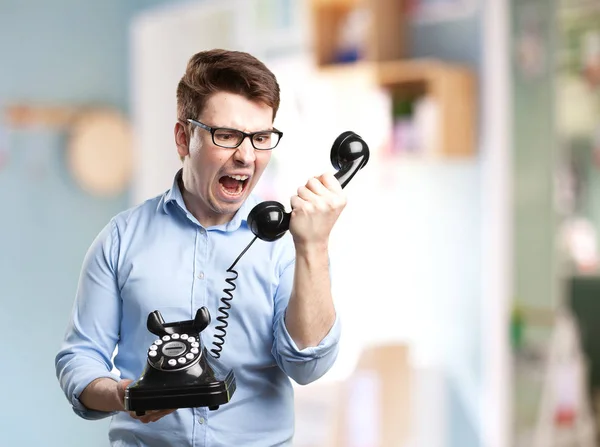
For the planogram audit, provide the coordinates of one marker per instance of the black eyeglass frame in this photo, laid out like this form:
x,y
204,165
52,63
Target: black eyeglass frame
x,y
212,131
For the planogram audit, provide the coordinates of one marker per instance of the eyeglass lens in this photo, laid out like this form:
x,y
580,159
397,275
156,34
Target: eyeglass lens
x,y
232,138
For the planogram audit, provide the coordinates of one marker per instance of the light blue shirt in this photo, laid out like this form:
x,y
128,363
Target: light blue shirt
x,y
156,256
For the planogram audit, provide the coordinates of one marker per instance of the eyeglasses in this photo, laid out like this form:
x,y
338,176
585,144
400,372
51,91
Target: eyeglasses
x,y
232,138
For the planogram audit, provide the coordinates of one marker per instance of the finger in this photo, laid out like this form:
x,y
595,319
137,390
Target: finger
x,y
155,417
296,202
307,194
144,419
152,416
146,414
316,186
135,416
160,414
328,192
122,387
124,383
337,197
330,182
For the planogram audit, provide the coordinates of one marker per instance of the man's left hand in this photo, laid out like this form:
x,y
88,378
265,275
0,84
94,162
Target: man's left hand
x,y
315,209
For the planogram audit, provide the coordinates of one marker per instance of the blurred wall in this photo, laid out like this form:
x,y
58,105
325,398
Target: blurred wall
x,y
533,27
76,52
460,41
60,52
428,292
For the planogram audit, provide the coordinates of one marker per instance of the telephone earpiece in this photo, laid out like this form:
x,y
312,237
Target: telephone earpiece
x,y
349,153
157,325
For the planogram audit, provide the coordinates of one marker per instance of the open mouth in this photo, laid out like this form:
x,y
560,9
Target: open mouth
x,y
233,185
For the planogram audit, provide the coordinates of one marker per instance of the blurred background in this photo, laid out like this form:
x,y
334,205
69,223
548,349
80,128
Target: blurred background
x,y
466,264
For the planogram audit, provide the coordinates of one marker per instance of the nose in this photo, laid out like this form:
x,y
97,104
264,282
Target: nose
x,y
244,153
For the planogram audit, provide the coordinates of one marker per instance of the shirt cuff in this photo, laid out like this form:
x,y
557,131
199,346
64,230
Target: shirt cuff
x,y
80,409
290,352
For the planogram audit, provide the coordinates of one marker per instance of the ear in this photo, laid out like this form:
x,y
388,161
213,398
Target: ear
x,y
181,140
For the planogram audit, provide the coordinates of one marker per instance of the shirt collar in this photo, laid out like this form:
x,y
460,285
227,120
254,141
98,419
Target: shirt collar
x,y
173,197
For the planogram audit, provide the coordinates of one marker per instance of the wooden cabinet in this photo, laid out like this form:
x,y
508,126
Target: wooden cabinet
x,y
378,34
451,87
379,25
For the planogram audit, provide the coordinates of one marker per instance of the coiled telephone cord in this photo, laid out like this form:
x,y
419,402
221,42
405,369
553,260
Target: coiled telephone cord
x,y
224,309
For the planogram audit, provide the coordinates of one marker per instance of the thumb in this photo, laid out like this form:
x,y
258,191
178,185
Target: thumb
x,y
124,383
121,387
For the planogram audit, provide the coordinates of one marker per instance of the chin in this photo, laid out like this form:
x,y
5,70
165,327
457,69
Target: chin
x,y
229,208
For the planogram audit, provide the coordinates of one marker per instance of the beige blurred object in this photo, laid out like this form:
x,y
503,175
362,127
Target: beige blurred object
x,y
374,406
18,116
577,108
100,152
315,408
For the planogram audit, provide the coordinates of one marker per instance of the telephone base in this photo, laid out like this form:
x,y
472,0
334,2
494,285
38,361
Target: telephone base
x,y
164,398
206,384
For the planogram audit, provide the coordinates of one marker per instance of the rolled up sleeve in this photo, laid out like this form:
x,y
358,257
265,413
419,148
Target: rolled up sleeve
x,y
302,365
79,384
93,329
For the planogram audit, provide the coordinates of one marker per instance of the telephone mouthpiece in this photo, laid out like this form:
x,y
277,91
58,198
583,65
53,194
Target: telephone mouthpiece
x,y
268,221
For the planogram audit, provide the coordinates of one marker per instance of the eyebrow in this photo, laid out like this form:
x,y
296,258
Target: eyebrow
x,y
235,128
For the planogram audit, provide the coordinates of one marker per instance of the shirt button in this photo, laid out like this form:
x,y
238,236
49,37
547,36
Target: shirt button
x,y
201,275
201,421
202,231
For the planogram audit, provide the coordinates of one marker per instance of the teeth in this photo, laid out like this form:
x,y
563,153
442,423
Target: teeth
x,y
241,178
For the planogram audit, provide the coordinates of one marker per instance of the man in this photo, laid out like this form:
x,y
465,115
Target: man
x,y
171,254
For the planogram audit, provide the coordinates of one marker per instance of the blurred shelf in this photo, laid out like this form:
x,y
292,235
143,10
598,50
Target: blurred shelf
x,y
379,36
28,115
451,86
384,34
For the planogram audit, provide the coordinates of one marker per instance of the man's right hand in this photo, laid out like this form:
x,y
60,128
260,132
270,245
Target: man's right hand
x,y
150,416
105,394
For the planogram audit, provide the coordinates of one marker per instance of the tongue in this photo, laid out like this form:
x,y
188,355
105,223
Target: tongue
x,y
230,184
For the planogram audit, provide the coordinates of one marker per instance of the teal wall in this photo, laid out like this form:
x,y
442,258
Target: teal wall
x,y
53,52
535,152
535,161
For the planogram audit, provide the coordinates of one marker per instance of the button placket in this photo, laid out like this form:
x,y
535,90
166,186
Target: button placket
x,y
200,292
202,417
200,275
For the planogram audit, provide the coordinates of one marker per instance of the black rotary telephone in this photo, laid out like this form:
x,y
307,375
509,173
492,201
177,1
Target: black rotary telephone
x,y
180,372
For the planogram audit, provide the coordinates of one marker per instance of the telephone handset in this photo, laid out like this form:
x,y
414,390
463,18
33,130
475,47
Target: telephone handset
x,y
349,153
269,221
180,372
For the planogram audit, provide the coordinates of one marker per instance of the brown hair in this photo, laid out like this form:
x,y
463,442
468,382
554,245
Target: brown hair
x,y
218,70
